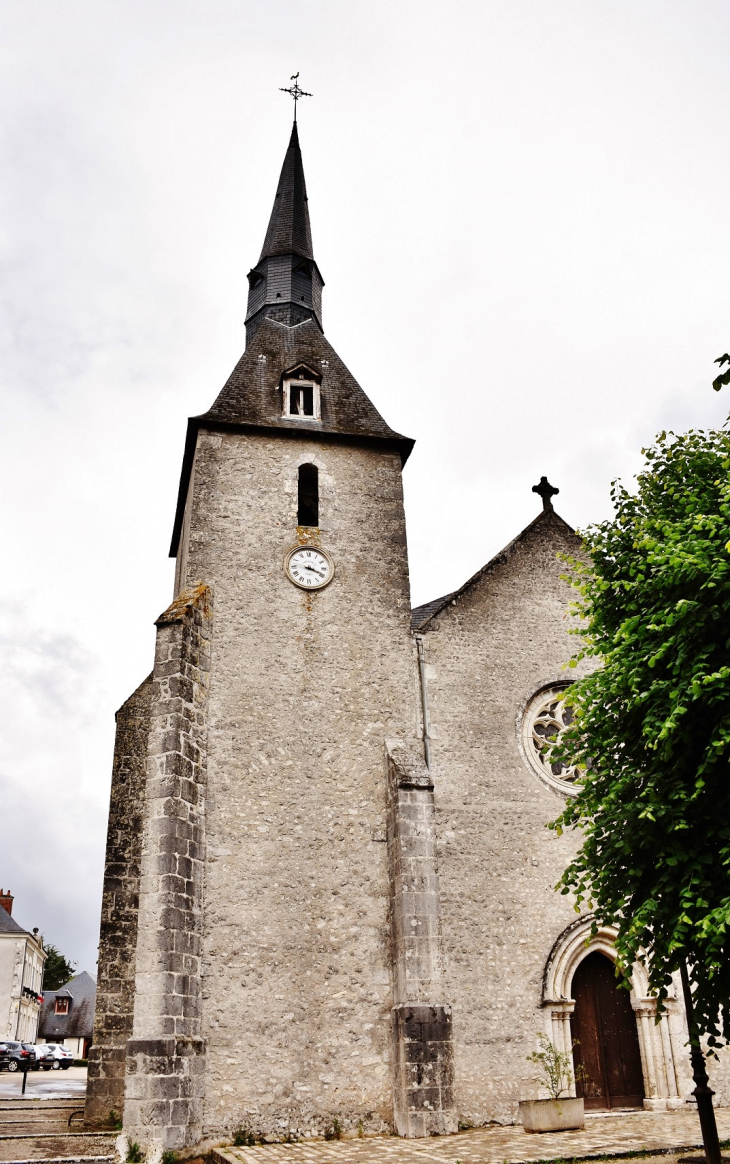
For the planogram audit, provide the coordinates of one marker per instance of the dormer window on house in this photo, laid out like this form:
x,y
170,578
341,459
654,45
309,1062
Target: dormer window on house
x,y
301,396
61,1006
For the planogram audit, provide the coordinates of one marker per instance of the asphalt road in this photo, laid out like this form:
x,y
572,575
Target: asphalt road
x,y
44,1084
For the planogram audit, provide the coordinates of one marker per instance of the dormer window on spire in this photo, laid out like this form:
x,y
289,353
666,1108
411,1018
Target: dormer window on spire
x,y
301,395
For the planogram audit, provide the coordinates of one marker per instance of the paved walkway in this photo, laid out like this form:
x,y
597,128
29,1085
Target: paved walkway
x,y
603,1135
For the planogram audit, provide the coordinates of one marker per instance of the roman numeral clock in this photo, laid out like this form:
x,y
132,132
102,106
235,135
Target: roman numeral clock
x,y
309,568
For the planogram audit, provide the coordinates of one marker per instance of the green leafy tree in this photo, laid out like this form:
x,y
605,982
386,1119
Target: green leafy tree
x,y
651,728
724,377
57,969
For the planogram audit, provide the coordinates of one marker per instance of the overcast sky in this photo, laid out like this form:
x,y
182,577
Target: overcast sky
x,y
519,209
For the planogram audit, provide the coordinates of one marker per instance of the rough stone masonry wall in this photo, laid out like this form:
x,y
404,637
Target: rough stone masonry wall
x,y
305,688
119,906
505,637
166,1054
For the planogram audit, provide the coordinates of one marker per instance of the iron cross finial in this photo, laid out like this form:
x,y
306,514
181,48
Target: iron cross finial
x,y
295,92
546,491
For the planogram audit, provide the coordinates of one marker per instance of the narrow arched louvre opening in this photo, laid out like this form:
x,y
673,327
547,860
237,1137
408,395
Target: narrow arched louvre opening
x,y
308,507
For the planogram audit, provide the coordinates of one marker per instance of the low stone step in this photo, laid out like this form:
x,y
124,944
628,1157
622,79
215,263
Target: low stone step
x,y
42,1128
72,1147
55,1135
40,1105
34,1113
64,1160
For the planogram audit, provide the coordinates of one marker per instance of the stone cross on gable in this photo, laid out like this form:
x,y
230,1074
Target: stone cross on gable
x,y
546,491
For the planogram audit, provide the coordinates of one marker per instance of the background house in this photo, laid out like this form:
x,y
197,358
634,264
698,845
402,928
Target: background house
x,y
67,1015
22,958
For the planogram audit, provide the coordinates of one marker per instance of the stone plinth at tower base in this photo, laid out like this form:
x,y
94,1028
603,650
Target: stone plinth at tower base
x,y
164,1092
424,1071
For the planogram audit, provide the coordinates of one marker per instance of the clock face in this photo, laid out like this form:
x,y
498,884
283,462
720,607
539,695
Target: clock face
x,y
309,568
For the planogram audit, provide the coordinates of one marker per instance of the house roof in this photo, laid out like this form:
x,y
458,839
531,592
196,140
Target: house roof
x,y
79,1022
421,616
8,924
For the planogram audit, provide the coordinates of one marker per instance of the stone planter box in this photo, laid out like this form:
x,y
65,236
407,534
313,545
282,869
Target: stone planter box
x,y
552,1115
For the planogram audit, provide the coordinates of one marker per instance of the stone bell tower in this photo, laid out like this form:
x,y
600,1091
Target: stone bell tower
x,y
255,982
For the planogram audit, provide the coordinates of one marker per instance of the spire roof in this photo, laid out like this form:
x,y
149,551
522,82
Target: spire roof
x,y
283,334
289,231
251,400
252,394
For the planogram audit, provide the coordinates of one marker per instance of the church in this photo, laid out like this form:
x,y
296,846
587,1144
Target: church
x,y
329,888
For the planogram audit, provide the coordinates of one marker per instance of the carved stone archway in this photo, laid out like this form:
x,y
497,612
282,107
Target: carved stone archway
x,y
657,1041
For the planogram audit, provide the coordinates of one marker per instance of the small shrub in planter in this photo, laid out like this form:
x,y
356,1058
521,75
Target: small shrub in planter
x,y
562,1112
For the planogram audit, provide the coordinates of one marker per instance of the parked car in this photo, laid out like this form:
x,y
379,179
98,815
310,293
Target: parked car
x,y
18,1056
56,1057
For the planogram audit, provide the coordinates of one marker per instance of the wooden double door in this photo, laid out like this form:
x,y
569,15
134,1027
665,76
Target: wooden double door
x,y
608,1043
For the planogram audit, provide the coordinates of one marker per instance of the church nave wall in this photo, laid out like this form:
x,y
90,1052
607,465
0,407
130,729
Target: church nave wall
x,y
505,638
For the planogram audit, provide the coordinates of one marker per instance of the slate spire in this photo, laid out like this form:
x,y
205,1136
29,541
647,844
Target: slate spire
x,y
284,338
289,231
286,284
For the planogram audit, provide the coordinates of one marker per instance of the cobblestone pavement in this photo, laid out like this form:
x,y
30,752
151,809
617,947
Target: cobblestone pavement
x,y
603,1135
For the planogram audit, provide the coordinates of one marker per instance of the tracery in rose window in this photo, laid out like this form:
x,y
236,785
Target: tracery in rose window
x,y
545,720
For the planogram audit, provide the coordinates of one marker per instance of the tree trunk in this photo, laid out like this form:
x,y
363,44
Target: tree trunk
x,y
702,1092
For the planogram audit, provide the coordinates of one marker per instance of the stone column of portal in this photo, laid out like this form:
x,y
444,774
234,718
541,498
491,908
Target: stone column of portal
x,y
166,1055
645,1009
674,1100
422,1044
560,1032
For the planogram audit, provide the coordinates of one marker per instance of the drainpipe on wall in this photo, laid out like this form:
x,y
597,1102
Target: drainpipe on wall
x,y
424,702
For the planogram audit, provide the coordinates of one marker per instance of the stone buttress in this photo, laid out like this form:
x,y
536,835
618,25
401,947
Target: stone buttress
x,y
119,911
423,1069
165,1057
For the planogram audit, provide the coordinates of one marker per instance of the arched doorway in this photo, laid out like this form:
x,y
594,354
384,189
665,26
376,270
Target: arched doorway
x,y
604,1025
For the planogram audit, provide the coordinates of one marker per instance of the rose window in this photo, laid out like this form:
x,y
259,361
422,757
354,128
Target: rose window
x,y
546,718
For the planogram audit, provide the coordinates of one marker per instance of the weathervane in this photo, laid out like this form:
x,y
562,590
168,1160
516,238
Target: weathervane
x,y
295,92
